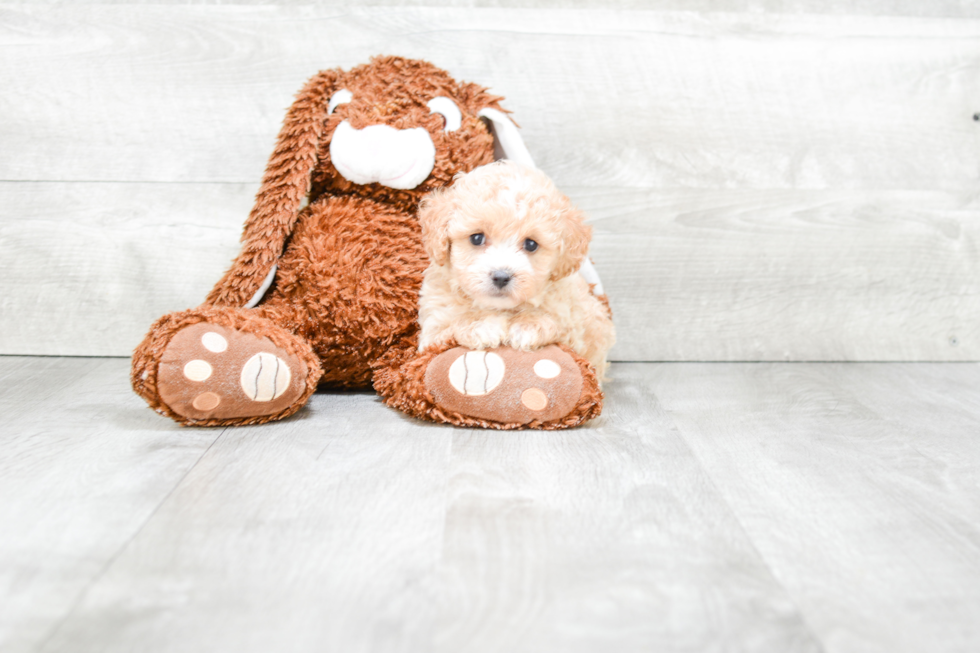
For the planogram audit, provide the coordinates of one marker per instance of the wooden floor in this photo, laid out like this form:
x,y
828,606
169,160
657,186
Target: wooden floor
x,y
714,507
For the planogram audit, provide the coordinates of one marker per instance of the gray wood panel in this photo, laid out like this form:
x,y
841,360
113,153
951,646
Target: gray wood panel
x,y
83,467
606,98
85,268
605,538
790,275
318,533
934,8
692,275
353,528
713,507
857,484
766,185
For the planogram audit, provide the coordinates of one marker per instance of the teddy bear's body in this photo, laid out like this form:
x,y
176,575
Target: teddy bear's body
x,y
329,293
331,290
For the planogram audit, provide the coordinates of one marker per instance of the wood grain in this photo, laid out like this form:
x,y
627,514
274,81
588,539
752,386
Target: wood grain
x,y
604,538
318,533
779,275
713,507
858,486
934,8
692,275
352,528
607,98
766,184
83,466
85,268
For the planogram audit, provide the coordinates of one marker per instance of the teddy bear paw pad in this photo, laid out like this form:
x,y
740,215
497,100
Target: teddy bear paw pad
x,y
506,385
213,372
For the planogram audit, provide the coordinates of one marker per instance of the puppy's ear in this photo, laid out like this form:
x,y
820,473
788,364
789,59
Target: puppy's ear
x,y
574,243
435,212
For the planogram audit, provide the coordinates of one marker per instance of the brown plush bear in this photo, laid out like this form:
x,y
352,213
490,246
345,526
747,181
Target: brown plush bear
x,y
328,294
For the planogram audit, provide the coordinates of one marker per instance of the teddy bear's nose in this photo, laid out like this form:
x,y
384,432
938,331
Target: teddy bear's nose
x,y
501,278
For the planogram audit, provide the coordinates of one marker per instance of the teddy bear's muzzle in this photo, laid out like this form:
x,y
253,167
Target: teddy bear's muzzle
x,y
396,158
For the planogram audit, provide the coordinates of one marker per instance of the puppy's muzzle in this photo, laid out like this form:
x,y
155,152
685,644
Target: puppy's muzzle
x,y
501,278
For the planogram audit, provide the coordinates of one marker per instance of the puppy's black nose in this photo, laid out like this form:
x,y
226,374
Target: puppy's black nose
x,y
501,278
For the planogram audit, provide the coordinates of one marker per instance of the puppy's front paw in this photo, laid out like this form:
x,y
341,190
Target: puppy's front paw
x,y
524,337
483,334
531,335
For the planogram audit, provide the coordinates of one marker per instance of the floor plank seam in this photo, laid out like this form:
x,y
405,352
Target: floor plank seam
x,y
748,538
129,540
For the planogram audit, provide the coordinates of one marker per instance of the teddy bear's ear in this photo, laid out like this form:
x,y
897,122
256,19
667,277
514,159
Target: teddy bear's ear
x,y
285,184
507,141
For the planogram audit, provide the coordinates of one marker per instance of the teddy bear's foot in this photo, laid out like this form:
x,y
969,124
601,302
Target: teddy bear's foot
x,y
211,372
506,386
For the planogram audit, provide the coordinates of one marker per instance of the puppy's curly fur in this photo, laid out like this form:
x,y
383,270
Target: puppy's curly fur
x,y
504,245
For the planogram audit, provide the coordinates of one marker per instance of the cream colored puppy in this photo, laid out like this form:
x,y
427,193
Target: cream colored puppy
x,y
505,245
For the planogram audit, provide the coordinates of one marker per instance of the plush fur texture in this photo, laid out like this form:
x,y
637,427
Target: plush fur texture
x,y
505,244
388,91
401,381
344,300
147,357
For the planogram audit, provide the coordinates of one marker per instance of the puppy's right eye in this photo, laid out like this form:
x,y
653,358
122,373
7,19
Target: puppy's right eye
x,y
477,239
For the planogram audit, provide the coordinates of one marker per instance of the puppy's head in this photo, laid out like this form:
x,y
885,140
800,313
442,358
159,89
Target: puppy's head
x,y
505,232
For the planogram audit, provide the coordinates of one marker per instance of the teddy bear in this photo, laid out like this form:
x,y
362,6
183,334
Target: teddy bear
x,y
325,289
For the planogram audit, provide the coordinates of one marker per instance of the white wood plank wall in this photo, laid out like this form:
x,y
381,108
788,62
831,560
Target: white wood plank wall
x,y
932,8
768,181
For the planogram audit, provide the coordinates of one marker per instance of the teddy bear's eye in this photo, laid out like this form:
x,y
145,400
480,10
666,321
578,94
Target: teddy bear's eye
x,y
448,110
343,96
530,245
477,239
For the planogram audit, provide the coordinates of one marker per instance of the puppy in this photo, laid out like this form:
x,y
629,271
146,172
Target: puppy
x,y
504,247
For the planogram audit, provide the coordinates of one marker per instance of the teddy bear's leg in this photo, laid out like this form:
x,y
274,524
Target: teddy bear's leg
x,y
213,366
503,388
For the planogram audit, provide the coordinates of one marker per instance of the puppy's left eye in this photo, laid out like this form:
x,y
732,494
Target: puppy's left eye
x,y
448,110
530,245
477,239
